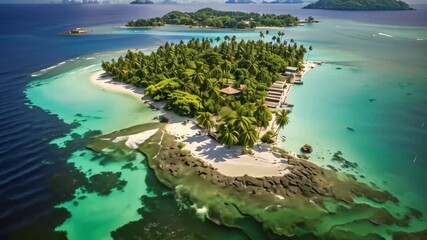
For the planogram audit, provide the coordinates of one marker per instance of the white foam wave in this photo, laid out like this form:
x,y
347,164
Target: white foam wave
x,y
385,35
89,58
419,39
54,66
86,68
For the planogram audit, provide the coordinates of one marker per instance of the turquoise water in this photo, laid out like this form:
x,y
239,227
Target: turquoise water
x,y
381,92
388,134
67,92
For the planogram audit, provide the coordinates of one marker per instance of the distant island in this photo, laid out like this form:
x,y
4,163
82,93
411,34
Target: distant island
x,y
80,2
371,5
142,2
208,17
240,1
169,2
282,1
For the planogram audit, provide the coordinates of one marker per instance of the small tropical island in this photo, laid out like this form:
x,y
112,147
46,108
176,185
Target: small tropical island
x,y
221,105
228,82
142,2
372,5
208,17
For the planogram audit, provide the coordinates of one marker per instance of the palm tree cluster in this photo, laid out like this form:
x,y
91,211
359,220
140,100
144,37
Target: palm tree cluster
x,y
220,19
189,76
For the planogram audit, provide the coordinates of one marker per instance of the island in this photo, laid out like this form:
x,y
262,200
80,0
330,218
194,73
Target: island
x,y
371,5
208,17
282,1
213,102
142,2
236,74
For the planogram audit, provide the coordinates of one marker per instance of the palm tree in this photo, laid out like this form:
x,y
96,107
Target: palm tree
x,y
309,50
205,120
216,72
263,116
261,35
226,38
227,135
252,66
248,137
240,120
249,109
282,119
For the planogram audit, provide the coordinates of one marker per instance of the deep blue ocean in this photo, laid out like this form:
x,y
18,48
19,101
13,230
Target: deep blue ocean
x,y
30,41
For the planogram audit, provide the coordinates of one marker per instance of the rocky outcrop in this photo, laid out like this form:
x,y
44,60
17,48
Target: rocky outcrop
x,y
307,148
304,194
304,179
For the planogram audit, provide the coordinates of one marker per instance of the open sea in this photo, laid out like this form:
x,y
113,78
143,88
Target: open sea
x,y
373,80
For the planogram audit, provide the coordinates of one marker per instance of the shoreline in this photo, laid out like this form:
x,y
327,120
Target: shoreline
x,y
108,84
307,67
207,27
142,27
228,161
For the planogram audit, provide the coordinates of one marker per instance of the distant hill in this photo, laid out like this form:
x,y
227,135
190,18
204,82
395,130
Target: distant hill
x,y
141,2
281,1
240,1
359,5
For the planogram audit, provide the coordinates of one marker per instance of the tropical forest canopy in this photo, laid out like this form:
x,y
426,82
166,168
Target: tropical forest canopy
x,y
359,5
219,19
189,76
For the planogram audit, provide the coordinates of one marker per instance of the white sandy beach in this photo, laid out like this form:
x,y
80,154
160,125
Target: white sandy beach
x,y
228,161
108,84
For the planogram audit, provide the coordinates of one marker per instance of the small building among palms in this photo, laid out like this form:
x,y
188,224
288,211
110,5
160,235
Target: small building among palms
x,y
231,91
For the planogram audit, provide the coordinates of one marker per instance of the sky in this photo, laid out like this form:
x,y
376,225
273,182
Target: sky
x,y
182,1
113,1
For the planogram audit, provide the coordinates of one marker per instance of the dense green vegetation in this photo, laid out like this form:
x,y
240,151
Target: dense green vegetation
x,y
208,17
359,5
189,76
